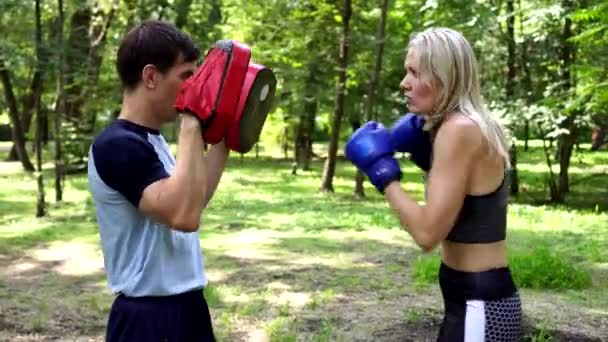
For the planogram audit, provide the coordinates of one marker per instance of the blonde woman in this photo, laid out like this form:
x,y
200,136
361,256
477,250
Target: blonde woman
x,y
465,151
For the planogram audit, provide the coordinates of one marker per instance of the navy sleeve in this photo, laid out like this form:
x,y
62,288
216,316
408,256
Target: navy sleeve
x,y
128,164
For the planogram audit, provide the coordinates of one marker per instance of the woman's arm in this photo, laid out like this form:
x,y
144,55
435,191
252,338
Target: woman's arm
x,y
454,151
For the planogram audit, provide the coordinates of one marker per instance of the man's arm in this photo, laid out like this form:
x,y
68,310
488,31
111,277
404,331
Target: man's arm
x,y
215,162
179,199
454,151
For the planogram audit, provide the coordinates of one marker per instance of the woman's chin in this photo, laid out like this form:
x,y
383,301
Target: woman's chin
x,y
413,109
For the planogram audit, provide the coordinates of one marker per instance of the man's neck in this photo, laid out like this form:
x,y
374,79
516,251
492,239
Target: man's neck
x,y
138,112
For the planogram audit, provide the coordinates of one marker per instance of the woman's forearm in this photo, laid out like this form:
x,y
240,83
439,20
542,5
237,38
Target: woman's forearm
x,y
412,216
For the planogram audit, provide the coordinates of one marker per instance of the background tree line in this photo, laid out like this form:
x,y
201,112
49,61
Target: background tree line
x,y
339,63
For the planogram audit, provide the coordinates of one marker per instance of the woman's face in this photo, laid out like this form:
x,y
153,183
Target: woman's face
x,y
420,95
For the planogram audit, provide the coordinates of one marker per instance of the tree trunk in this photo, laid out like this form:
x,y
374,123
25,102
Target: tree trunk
x,y
311,130
510,85
359,177
307,121
566,141
88,31
556,196
373,84
59,108
330,162
16,126
41,206
526,134
297,148
28,101
565,153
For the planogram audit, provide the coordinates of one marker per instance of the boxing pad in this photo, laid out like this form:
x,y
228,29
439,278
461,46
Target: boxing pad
x,y
230,95
212,92
255,102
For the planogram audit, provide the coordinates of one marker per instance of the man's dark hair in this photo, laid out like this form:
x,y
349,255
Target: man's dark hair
x,y
152,42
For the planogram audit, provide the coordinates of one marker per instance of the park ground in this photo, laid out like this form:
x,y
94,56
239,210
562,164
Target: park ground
x,y
289,263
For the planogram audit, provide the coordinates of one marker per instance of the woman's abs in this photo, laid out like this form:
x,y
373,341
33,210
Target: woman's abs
x,y
471,257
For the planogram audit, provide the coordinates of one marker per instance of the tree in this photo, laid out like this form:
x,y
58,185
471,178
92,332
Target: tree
x,y
373,83
330,162
567,140
59,107
16,123
510,86
41,205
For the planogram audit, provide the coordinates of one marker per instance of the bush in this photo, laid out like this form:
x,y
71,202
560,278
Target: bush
x,y
538,269
543,269
425,270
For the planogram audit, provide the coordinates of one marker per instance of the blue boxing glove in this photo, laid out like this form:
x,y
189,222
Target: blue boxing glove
x,y
407,135
370,149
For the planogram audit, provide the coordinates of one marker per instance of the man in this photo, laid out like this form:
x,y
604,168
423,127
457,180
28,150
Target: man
x,y
148,203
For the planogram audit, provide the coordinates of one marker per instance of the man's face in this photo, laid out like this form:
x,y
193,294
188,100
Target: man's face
x,y
171,83
167,86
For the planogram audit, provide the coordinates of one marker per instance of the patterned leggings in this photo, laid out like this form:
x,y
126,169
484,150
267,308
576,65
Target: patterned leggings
x,y
479,306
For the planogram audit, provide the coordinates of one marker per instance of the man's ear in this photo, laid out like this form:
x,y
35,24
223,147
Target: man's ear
x,y
149,76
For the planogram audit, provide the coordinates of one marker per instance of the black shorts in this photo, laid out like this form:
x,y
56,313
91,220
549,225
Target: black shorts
x,y
183,317
479,306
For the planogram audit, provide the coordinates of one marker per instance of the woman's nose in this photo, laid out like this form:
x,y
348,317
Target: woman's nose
x,y
405,84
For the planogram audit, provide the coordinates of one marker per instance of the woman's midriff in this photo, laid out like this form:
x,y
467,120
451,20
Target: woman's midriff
x,y
472,257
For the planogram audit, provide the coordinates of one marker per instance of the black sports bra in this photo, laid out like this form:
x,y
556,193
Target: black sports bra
x,y
483,218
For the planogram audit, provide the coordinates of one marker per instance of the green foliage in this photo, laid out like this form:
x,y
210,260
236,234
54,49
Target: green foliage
x,y
543,269
298,39
538,269
425,269
280,330
287,260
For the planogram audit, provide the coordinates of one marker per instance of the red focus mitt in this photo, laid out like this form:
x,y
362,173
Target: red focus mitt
x,y
211,93
230,96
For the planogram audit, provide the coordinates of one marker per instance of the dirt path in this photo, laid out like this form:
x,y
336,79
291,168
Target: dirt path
x,y
59,295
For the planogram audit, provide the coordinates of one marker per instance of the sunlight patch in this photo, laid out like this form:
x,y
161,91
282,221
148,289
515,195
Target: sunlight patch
x,y
296,300
258,335
8,168
18,268
325,261
251,237
251,254
216,275
73,258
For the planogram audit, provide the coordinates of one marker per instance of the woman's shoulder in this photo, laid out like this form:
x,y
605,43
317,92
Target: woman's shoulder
x,y
459,128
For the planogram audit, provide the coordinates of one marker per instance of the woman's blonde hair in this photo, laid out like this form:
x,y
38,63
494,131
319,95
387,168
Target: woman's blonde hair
x,y
445,58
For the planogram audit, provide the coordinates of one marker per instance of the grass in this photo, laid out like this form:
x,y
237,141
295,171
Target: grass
x,y
289,263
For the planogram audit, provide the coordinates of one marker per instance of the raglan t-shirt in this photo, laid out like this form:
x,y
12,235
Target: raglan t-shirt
x,y
142,256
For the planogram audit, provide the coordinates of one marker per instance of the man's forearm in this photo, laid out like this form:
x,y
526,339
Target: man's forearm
x,y
215,163
189,172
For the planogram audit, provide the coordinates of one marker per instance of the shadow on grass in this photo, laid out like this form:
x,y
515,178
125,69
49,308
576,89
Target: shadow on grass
x,y
378,281
14,208
42,301
301,209
588,192
79,227
282,264
358,289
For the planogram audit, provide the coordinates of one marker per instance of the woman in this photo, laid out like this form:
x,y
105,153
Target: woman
x,y
467,188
